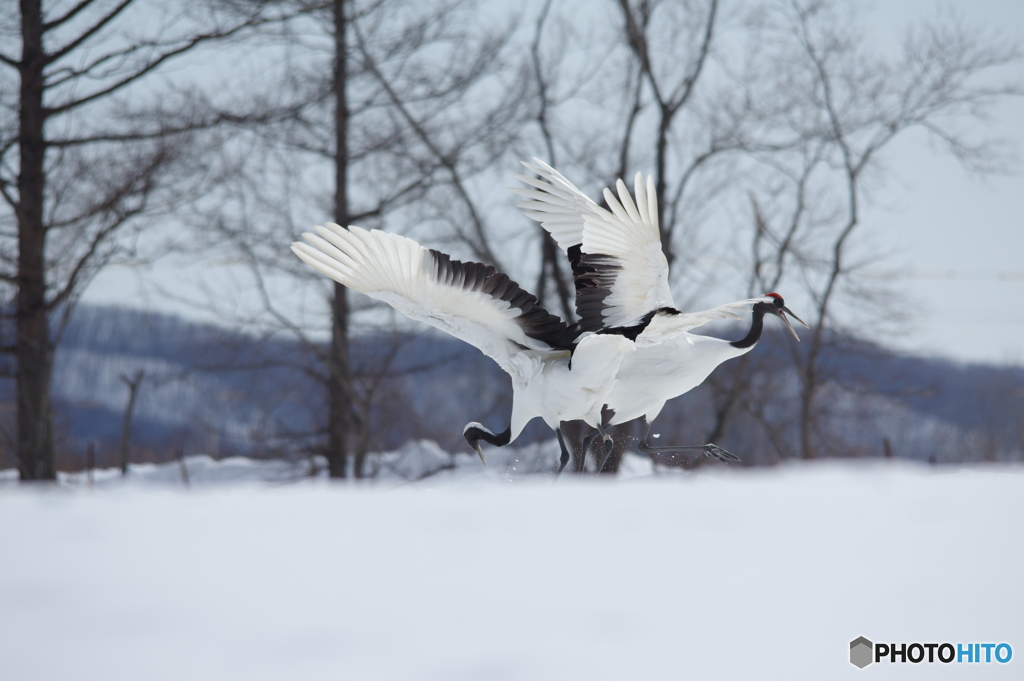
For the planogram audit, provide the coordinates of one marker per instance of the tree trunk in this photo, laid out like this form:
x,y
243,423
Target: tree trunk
x,y
808,393
33,349
339,390
807,449
340,403
362,443
724,408
126,426
661,152
551,257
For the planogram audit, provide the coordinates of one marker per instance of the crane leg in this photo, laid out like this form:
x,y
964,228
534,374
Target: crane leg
x,y
710,450
583,451
565,452
609,445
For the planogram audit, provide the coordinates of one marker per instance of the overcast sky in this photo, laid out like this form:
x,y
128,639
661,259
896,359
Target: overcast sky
x,y
956,241
959,239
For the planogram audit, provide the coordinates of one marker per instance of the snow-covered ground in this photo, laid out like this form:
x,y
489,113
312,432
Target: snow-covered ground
x,y
722,574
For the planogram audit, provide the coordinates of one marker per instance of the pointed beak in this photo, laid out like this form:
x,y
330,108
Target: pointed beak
x,y
784,318
790,313
480,451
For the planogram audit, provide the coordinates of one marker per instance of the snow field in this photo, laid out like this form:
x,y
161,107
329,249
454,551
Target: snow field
x,y
725,574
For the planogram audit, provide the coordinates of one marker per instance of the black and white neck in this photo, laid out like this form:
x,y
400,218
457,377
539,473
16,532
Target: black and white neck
x,y
756,327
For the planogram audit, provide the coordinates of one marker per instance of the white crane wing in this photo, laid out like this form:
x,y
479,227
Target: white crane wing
x,y
470,301
619,268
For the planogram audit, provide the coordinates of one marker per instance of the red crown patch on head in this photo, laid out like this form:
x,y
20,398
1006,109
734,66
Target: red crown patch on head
x,y
774,295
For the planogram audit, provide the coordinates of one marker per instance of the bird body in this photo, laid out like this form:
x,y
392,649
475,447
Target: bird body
x,y
558,391
666,363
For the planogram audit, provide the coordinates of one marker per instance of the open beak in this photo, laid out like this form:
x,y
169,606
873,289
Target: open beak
x,y
782,315
790,313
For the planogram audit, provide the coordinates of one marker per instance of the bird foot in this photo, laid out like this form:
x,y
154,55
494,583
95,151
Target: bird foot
x,y
710,450
713,451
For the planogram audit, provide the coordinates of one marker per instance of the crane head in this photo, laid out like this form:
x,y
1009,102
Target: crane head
x,y
777,306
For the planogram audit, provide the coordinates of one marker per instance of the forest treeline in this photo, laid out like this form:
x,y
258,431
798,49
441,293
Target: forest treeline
x,y
216,131
212,391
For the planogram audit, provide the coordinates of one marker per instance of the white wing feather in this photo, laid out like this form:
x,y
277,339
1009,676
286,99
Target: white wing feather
x,y
556,204
394,269
628,233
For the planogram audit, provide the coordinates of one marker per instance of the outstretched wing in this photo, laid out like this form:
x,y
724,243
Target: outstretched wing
x,y
472,302
619,267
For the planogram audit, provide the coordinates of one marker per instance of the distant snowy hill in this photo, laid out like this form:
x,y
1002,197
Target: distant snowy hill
x,y
210,390
213,391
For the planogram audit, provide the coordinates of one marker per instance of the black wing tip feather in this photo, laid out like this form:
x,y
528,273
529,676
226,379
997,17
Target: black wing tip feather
x,y
594,276
537,323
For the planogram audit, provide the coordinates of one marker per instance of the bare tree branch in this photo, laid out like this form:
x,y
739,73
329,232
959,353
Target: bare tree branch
x,y
88,33
447,160
149,67
70,14
636,37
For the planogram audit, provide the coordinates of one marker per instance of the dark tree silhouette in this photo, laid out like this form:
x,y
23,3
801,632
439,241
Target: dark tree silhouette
x,y
79,169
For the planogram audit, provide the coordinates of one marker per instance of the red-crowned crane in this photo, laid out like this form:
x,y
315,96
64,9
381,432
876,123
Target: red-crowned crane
x,y
556,374
622,288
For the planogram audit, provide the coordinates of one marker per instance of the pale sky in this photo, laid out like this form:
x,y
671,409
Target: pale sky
x,y
956,240
960,237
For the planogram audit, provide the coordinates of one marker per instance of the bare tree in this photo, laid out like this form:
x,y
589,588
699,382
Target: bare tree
x,y
854,104
80,168
834,107
785,107
553,268
670,88
133,383
403,125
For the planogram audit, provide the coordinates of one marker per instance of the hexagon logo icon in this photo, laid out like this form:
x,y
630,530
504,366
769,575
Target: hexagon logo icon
x,y
861,652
